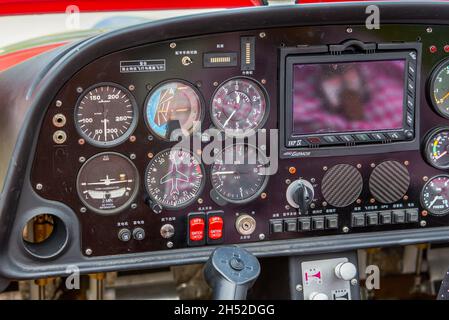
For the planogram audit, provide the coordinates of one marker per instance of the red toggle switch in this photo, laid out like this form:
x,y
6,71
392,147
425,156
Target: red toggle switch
x,y
215,227
196,229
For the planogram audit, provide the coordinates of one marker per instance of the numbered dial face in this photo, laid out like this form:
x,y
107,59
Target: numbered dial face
x,y
173,105
239,173
174,178
435,195
437,149
107,183
106,115
239,105
440,89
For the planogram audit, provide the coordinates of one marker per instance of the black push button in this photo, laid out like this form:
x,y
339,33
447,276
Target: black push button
x,y
372,219
398,216
318,223
330,139
290,225
362,137
358,219
124,235
412,215
138,234
276,226
385,217
304,224
331,222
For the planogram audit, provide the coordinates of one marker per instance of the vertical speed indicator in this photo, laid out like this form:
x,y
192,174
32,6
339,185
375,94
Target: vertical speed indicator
x,y
106,115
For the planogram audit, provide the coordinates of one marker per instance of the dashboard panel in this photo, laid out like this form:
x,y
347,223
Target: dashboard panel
x,y
202,79
103,154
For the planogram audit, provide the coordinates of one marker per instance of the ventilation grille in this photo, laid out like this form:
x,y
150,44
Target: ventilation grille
x,y
389,182
342,185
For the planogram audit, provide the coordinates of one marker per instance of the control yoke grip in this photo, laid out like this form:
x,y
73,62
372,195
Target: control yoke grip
x,y
231,272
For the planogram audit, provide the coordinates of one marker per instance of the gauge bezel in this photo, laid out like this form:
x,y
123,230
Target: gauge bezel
x,y
159,85
264,118
421,197
429,136
127,203
430,89
254,196
128,132
191,201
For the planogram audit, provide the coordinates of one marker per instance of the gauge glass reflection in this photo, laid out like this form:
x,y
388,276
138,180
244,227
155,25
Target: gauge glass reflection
x,y
439,89
238,106
437,149
435,195
239,173
171,106
107,183
106,115
174,178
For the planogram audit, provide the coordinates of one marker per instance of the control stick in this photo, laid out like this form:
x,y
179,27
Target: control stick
x,y
231,272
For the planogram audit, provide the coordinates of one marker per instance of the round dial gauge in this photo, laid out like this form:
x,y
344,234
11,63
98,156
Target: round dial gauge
x,y
173,105
437,148
238,106
107,183
174,178
435,195
439,89
106,115
239,173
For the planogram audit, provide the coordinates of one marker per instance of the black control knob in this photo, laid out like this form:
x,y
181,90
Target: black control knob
x,y
300,195
156,207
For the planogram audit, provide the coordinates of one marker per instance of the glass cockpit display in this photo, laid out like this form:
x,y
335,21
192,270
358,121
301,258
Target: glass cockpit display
x,y
348,96
173,105
107,183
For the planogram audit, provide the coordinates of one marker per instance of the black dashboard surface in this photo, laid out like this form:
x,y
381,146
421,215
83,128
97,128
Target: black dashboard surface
x,y
382,179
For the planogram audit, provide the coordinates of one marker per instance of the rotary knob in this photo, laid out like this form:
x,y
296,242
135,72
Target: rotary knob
x,y
345,271
300,195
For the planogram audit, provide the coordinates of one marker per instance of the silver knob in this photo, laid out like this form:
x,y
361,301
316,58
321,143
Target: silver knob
x,y
318,296
345,271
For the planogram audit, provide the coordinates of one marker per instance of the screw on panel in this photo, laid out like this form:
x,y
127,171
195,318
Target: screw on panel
x,y
131,87
429,30
423,223
150,138
349,30
345,229
354,282
58,103
215,83
39,186
200,201
263,81
173,45
261,236
298,287
83,210
132,156
169,244
79,89
263,195
262,35
133,206
82,159
288,181
88,252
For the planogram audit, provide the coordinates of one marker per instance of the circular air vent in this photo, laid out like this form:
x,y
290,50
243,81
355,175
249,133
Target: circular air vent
x,y
389,181
342,185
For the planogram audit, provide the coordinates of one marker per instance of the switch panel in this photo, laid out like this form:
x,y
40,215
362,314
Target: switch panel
x,y
325,277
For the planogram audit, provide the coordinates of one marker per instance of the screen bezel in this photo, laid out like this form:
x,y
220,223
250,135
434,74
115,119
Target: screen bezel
x,y
328,59
411,51
290,101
